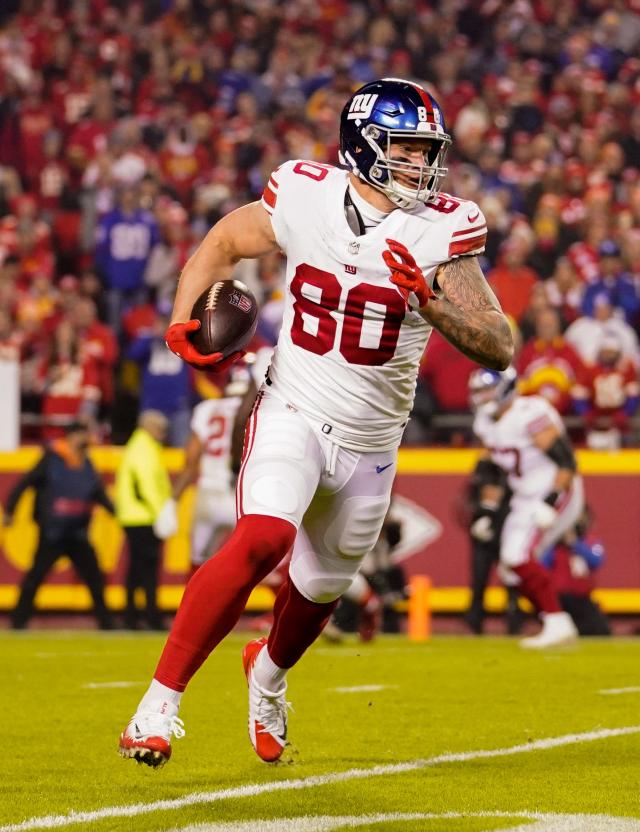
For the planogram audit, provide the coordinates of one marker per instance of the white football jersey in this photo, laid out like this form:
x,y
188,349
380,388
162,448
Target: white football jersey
x,y
530,471
260,366
349,349
212,422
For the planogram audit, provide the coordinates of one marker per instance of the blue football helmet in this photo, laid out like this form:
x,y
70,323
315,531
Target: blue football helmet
x,y
390,110
489,389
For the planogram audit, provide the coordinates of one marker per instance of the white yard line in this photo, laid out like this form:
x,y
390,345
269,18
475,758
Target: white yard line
x,y
363,688
101,685
546,822
616,691
254,789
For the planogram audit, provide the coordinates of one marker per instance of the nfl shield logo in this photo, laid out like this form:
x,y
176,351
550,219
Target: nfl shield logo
x,y
241,301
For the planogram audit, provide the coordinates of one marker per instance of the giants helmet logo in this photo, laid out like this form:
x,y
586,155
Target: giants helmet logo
x,y
362,105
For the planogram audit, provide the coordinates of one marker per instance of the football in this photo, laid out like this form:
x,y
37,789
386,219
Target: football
x,y
228,315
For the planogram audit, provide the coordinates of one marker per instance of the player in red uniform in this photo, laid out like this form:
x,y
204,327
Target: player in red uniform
x,y
376,257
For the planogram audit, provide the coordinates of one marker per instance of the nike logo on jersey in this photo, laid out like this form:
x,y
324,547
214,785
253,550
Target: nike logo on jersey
x,y
473,217
381,468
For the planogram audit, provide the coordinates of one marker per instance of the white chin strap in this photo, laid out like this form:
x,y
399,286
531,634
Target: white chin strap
x,y
399,195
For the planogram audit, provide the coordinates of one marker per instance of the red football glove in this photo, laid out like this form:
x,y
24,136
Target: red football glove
x,y
178,342
406,274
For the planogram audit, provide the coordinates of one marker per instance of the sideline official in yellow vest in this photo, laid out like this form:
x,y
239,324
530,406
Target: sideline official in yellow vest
x,y
146,512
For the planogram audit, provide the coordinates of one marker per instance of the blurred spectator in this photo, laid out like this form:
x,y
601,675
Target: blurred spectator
x,y
548,366
126,238
512,280
68,382
199,102
142,491
170,255
10,338
564,290
442,386
166,380
613,282
585,333
98,344
67,487
608,396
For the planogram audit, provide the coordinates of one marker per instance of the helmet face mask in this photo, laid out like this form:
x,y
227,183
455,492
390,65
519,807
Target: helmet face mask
x,y
382,114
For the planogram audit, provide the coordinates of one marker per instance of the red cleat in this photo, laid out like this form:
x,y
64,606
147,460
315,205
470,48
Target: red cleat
x,y
267,710
147,737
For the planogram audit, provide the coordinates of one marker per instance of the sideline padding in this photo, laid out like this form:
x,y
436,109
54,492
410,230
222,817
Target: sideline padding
x,y
432,477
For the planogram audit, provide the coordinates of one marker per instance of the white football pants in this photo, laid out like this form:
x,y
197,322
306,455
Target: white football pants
x,y
214,516
292,469
522,539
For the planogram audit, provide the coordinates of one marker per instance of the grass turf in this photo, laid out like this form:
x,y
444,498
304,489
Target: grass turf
x,y
60,732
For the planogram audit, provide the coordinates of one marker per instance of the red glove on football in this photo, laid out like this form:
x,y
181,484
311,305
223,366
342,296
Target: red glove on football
x,y
406,274
177,338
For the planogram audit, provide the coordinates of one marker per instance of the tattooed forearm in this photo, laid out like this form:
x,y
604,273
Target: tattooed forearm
x,y
469,315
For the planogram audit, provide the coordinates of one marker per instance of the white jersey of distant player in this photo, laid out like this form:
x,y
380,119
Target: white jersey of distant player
x,y
212,423
531,473
348,352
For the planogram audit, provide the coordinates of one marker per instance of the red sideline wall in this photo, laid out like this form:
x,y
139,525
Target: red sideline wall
x,y
428,488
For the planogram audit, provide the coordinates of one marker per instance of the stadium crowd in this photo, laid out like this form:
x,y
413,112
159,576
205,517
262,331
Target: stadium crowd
x,y
128,129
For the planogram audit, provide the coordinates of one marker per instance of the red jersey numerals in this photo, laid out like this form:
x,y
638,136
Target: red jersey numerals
x,y
443,204
317,295
509,459
313,170
216,440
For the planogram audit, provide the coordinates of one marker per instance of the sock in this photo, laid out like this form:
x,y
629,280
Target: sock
x,y
217,594
297,623
267,674
359,592
157,692
535,584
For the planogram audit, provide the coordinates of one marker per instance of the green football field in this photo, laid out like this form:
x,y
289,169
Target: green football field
x,y
457,734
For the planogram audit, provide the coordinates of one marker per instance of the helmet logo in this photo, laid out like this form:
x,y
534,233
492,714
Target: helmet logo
x,y
362,105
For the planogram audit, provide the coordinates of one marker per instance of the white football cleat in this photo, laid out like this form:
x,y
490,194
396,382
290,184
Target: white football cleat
x,y
557,628
267,710
147,737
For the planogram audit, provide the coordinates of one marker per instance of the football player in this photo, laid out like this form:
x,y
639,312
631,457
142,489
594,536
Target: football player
x,y
208,461
376,255
525,436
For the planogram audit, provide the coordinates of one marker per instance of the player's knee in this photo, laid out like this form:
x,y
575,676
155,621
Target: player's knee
x,y
268,539
321,589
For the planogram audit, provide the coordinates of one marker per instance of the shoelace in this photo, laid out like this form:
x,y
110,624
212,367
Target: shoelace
x,y
157,724
272,714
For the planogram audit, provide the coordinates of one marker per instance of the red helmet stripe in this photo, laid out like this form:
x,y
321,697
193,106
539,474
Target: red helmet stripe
x,y
427,101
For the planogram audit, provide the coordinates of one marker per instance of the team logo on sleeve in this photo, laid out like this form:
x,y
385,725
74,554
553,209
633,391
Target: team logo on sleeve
x,y
362,105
